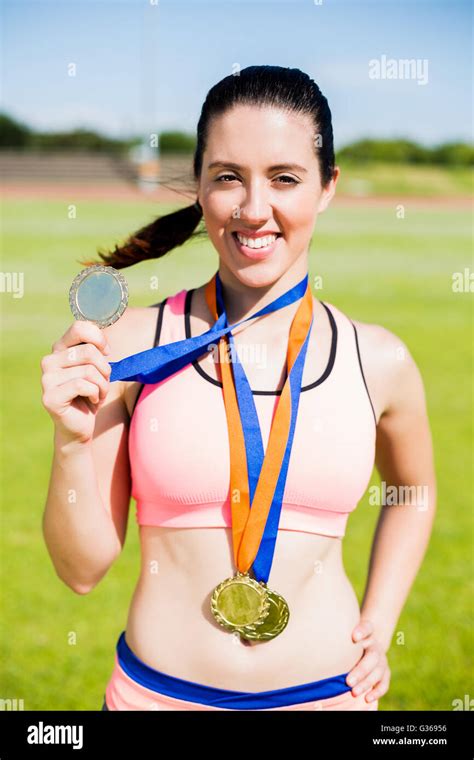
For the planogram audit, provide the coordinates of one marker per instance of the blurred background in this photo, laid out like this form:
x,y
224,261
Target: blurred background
x,y
100,103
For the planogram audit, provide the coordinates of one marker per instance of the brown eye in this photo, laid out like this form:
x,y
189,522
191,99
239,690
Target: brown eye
x,y
225,176
292,180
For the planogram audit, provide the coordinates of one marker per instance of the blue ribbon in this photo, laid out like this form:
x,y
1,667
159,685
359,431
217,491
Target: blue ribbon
x,y
156,364
253,441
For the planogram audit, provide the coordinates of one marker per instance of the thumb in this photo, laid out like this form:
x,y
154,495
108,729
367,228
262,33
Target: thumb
x,y
363,628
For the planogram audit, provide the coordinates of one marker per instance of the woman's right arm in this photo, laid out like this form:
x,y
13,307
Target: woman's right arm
x,y
86,512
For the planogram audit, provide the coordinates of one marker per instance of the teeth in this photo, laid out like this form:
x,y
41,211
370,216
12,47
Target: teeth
x,y
261,242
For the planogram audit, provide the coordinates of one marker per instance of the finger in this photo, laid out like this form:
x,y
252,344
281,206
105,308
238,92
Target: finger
x,y
87,371
81,331
363,628
370,680
58,399
366,641
75,356
86,353
367,662
380,688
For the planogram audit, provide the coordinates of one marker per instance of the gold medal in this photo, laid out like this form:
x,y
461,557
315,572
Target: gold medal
x,y
240,603
275,622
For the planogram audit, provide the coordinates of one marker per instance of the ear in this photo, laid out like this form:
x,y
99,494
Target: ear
x,y
329,191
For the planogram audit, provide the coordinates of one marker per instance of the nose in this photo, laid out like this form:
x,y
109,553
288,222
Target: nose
x,y
255,208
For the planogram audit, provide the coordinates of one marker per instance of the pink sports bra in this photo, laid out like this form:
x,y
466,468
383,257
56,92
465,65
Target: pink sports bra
x,y
179,447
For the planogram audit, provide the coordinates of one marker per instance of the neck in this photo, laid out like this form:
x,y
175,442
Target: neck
x,y
241,300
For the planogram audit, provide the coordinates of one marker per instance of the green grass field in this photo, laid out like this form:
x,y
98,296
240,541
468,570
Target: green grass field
x,y
410,180
376,268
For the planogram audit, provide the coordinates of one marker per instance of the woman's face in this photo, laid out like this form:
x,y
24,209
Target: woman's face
x,y
260,179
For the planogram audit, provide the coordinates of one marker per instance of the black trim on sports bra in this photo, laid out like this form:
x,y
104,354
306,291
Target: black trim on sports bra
x,y
159,322
362,372
326,373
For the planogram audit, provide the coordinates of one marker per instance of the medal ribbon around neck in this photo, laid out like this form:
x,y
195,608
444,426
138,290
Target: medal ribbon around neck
x,y
258,478
247,461
156,364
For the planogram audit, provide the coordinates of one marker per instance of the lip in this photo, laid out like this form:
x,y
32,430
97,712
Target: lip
x,y
256,254
254,234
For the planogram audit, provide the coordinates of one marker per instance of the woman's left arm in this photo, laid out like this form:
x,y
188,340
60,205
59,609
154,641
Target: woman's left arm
x,y
405,461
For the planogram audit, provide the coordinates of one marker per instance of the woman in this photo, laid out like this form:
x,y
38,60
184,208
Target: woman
x,y
264,167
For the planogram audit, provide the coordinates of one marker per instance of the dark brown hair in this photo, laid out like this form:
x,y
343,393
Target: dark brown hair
x,y
286,88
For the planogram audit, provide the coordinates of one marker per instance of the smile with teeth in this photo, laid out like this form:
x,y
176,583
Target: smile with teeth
x,y
260,242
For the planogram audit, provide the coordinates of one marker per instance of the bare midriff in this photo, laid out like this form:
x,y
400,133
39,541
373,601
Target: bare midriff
x,y
171,628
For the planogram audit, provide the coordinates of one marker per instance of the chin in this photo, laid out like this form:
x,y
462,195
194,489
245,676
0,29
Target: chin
x,y
259,275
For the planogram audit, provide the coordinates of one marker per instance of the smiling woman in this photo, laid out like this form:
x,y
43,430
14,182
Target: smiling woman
x,y
244,470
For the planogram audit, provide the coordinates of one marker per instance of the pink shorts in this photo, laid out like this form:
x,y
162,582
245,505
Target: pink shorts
x,y
124,693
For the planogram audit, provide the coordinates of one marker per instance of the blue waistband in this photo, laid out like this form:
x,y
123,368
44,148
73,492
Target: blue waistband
x,y
210,695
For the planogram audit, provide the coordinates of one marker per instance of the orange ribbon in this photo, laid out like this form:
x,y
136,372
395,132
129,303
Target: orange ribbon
x,y
248,522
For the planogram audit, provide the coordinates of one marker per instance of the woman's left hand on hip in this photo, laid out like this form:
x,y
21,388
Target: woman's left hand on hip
x,y
372,672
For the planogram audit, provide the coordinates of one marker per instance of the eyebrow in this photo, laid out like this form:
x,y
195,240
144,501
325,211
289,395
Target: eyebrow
x,y
275,167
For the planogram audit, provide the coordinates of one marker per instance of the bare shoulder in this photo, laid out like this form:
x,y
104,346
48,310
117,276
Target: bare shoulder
x,y
390,370
378,342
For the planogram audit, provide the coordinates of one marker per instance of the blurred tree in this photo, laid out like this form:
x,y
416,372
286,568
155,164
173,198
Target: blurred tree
x,y
455,153
399,151
16,135
78,139
13,134
176,142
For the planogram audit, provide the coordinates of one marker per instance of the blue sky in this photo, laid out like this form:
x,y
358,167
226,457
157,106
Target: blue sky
x,y
146,65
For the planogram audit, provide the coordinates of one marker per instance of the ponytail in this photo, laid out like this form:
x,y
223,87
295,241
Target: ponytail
x,y
153,240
